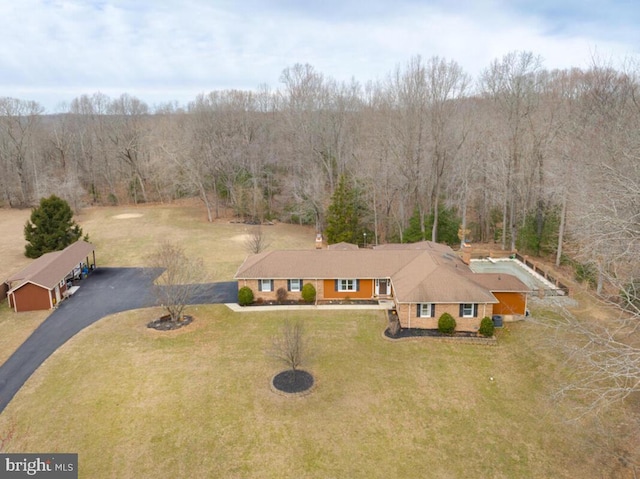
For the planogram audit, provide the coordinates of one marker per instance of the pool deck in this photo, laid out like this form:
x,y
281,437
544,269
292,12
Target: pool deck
x,y
515,267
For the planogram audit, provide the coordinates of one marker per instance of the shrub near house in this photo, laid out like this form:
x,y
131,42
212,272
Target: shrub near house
x,y
308,293
486,327
245,296
446,324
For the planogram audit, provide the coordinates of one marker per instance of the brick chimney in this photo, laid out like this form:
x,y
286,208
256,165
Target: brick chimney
x,y
466,253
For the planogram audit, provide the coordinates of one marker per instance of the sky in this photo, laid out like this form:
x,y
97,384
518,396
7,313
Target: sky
x,y
52,51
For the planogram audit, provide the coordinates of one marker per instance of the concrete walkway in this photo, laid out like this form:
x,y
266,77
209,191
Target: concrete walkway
x,y
106,291
306,307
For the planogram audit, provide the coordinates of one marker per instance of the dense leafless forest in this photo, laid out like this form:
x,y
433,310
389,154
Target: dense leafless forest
x,y
518,150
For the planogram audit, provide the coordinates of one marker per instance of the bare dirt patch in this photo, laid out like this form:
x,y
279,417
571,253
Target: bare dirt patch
x,y
127,216
241,238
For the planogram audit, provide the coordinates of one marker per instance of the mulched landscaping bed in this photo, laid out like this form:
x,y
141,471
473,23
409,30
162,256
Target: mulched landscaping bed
x,y
292,383
164,323
289,302
419,333
304,303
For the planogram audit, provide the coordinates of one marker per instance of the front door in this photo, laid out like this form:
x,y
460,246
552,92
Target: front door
x,y
382,287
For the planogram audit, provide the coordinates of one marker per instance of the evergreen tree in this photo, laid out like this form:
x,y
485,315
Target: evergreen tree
x,y
413,234
51,227
539,234
448,225
343,217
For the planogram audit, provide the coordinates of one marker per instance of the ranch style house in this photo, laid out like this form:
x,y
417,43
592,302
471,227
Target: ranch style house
x,y
420,280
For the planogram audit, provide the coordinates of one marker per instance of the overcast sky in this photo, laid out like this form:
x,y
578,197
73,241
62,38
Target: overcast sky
x,y
52,51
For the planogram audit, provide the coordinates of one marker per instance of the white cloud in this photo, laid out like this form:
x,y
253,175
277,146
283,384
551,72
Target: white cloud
x,y
166,50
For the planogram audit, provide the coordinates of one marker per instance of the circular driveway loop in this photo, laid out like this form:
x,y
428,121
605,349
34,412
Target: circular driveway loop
x,y
106,291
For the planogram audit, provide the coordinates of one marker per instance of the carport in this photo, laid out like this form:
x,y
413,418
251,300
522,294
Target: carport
x,y
44,283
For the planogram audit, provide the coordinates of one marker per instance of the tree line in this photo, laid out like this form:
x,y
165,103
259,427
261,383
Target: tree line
x,y
521,155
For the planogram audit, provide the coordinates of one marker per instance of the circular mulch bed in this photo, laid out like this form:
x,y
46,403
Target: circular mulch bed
x,y
164,323
293,382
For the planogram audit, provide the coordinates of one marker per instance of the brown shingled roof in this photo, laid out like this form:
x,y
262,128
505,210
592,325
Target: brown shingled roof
x,y
324,264
437,278
500,282
420,245
50,268
420,272
343,246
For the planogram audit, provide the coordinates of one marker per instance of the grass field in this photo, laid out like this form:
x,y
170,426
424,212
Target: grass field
x,y
125,236
137,403
14,329
196,403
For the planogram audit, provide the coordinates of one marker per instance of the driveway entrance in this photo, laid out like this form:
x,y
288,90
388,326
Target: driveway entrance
x,y
106,291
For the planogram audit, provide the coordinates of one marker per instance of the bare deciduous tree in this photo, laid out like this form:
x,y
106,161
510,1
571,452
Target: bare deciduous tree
x,y
257,241
511,83
291,346
180,279
602,360
128,135
18,123
447,85
600,380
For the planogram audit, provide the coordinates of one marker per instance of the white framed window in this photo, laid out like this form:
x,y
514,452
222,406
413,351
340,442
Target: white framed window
x,y
347,285
265,285
295,285
467,310
426,310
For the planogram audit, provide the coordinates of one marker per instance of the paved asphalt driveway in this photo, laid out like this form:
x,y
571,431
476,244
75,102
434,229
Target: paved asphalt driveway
x,y
106,291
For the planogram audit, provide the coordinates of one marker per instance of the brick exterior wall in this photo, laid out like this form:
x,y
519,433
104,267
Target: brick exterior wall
x,y
280,283
407,314
325,289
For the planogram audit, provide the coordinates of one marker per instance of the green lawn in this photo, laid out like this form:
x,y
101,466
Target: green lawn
x,y
137,403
